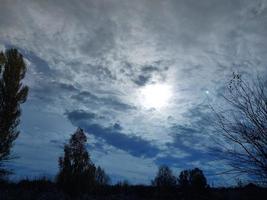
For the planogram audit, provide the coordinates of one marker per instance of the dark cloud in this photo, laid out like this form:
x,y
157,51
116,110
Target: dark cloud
x,y
146,69
113,135
131,144
142,80
117,126
147,72
77,115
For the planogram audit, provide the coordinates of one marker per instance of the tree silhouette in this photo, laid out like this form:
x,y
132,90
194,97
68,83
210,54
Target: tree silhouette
x,y
197,179
193,179
12,94
101,177
77,172
183,179
164,177
244,127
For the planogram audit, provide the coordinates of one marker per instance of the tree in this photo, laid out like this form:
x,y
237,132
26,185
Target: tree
x,y
197,179
164,177
244,127
183,179
101,177
12,93
77,172
193,179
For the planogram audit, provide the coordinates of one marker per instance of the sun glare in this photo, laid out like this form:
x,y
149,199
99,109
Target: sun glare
x,y
155,95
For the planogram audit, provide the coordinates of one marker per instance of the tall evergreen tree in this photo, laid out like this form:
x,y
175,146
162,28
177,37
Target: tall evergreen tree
x,y
12,93
76,170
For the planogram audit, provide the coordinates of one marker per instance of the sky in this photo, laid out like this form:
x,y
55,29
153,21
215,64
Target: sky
x,y
138,77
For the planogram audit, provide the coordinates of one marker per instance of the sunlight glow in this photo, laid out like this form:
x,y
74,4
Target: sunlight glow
x,y
155,95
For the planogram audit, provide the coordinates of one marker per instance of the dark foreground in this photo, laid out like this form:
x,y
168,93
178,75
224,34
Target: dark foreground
x,y
46,190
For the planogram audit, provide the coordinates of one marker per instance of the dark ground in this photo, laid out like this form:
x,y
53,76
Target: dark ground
x,y
47,190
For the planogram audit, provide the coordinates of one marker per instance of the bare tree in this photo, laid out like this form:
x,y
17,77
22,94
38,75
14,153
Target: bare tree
x,y
243,124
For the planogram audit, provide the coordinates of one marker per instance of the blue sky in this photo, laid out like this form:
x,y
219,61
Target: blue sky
x,y
89,63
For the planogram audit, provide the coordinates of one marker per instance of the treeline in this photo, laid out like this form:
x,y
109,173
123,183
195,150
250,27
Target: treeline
x,y
79,178
45,189
78,174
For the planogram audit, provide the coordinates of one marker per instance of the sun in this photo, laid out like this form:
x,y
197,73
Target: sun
x,y
155,95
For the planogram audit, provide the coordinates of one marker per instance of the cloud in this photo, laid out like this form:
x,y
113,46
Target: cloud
x,y
76,116
142,80
154,72
89,98
113,135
